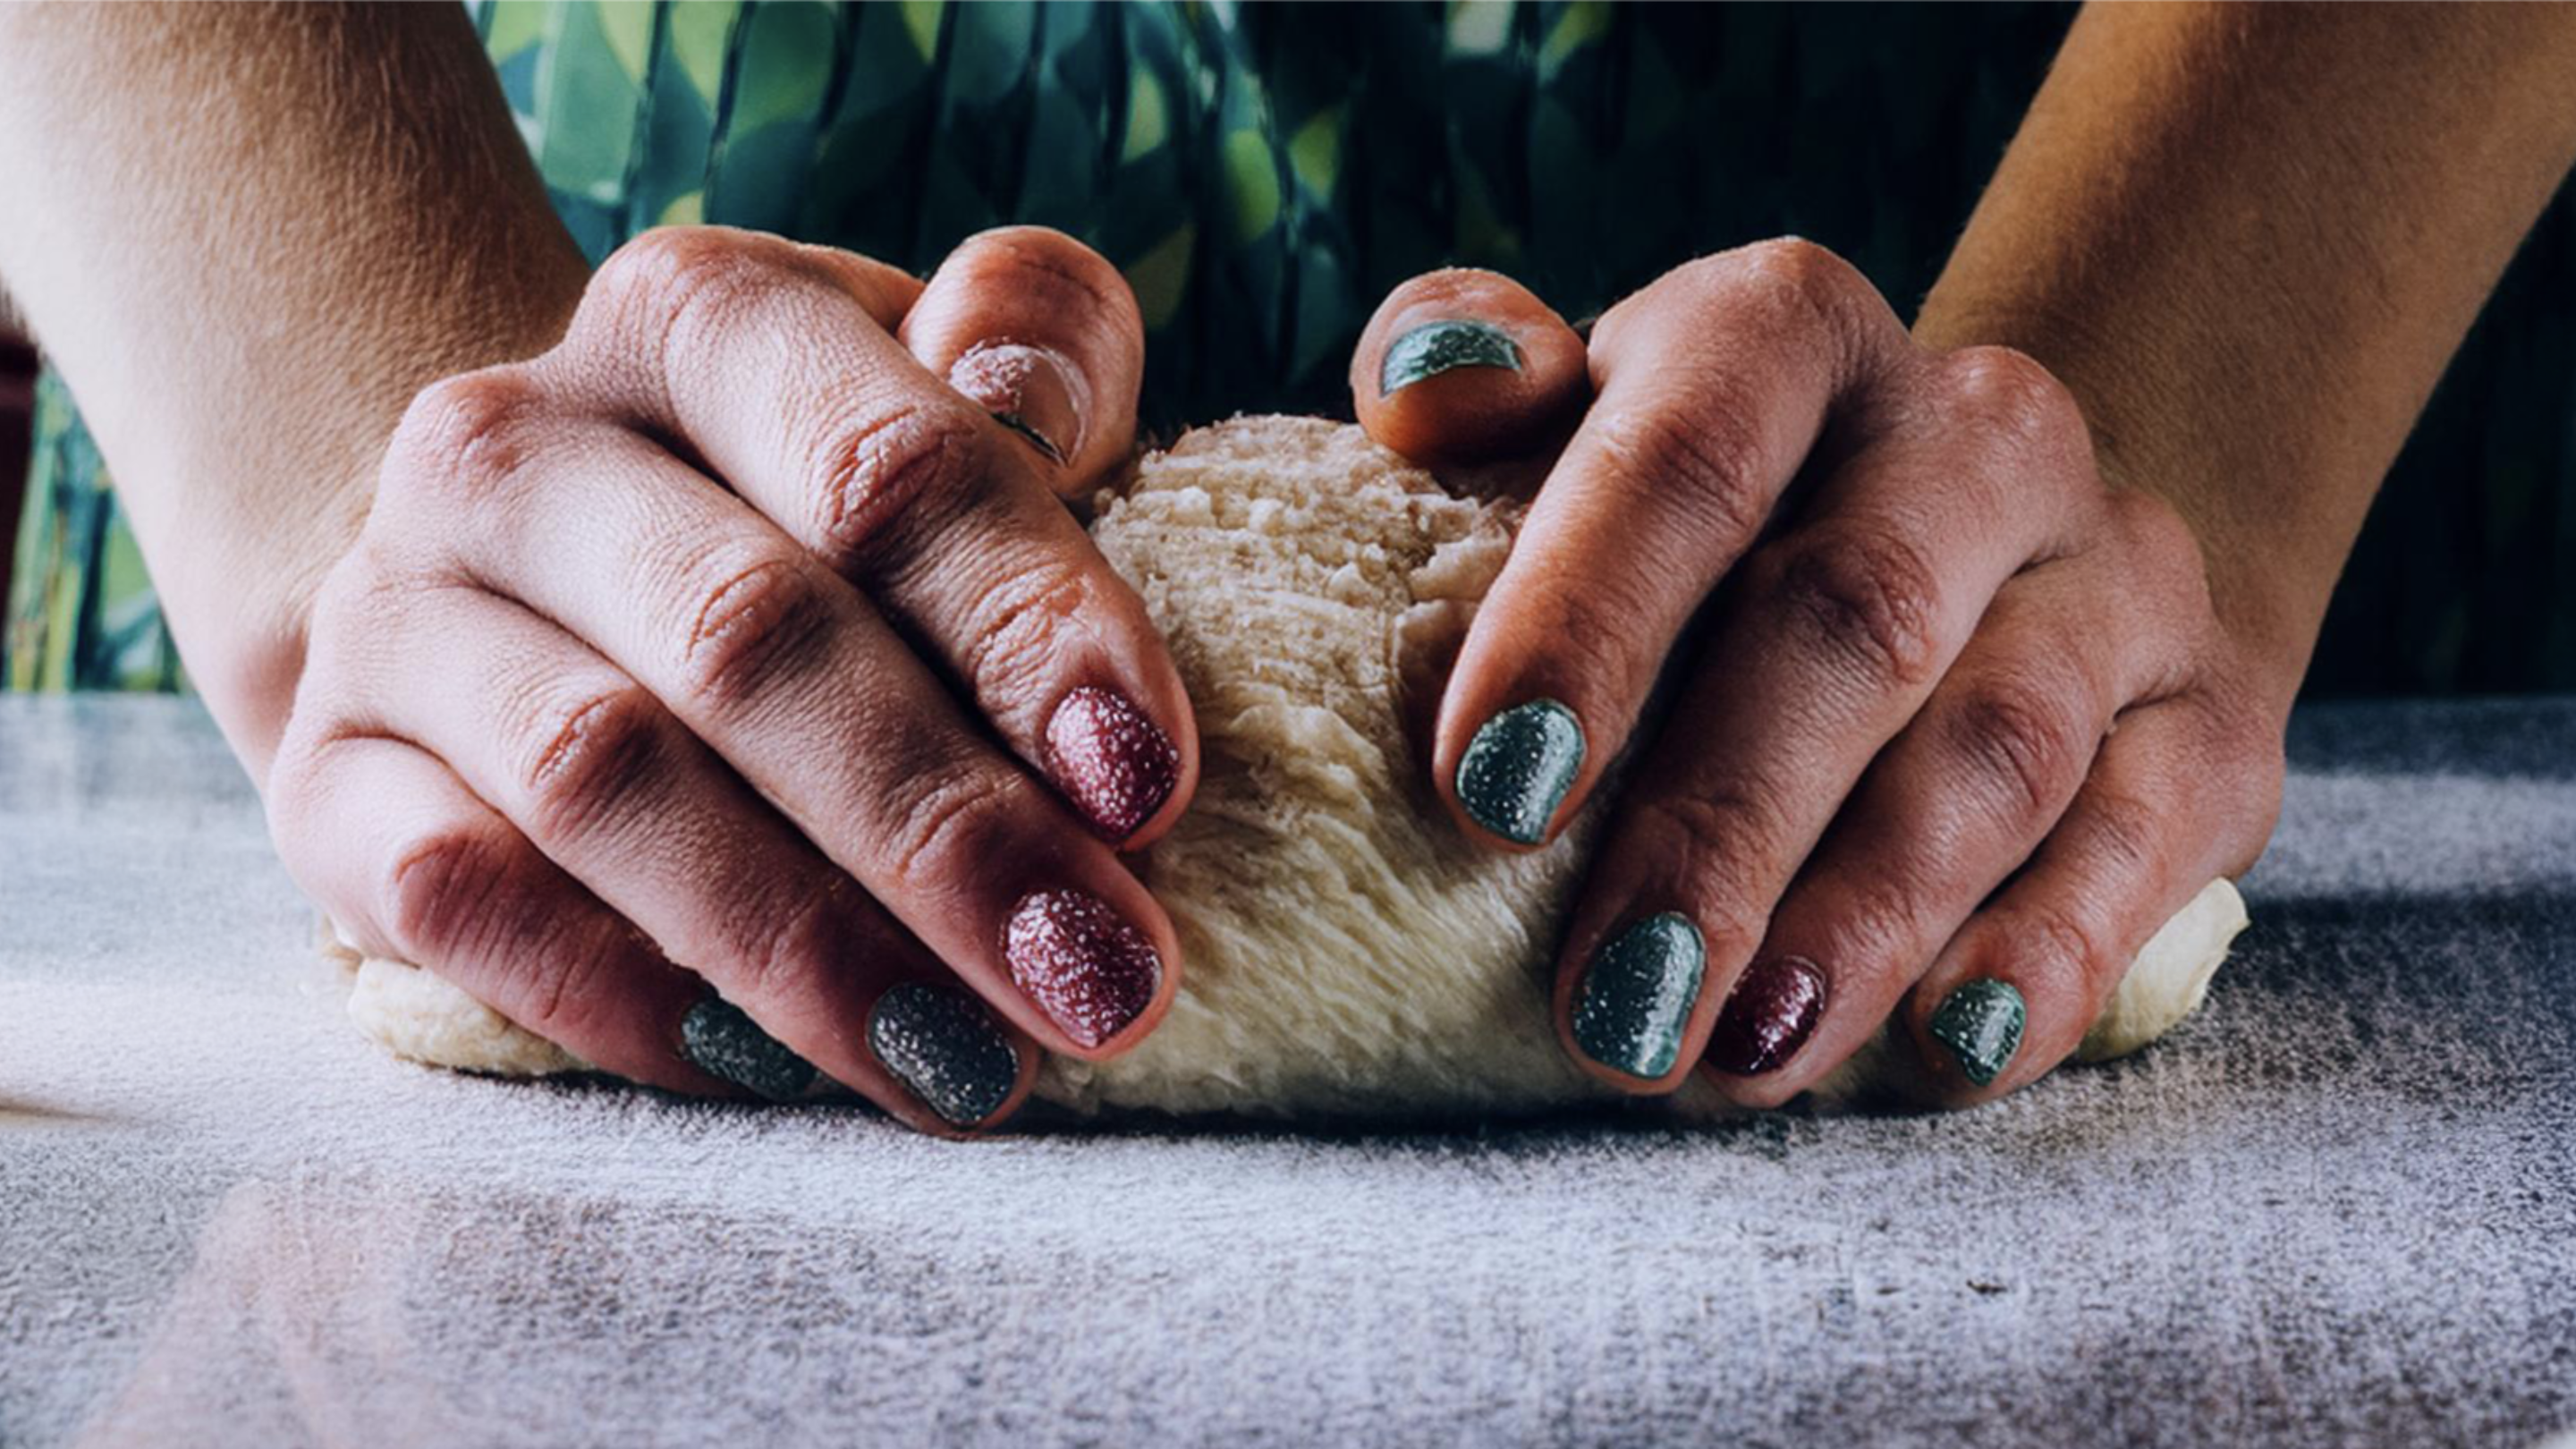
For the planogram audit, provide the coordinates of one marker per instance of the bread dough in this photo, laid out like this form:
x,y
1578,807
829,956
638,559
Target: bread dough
x,y
1346,953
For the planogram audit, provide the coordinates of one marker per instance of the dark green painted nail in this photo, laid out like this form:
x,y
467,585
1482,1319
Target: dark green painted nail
x,y
1981,1025
725,1043
1637,994
1435,347
942,1044
1519,766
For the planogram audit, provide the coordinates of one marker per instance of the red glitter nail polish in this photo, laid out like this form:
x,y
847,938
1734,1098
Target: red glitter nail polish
x,y
1773,1009
1112,762
1085,967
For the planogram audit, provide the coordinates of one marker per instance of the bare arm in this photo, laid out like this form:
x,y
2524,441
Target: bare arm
x,y
248,235
2249,238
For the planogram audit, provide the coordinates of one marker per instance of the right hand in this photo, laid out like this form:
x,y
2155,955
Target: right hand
x,y
733,645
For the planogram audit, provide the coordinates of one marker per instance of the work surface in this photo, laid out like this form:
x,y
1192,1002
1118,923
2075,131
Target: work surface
x,y
2338,1207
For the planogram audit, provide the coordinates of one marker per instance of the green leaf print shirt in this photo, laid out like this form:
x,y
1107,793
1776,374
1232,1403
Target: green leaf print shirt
x,y
1263,174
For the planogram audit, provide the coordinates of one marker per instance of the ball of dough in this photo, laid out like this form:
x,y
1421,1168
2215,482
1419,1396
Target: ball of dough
x,y
1345,953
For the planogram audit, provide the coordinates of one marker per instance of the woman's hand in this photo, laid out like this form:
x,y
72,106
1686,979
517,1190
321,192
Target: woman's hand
x,y
1953,727
733,643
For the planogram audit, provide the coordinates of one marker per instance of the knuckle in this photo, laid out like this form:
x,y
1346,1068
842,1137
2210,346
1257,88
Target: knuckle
x,y
1879,931
950,824
467,434
583,758
1711,466
1798,282
2253,757
2057,943
2127,832
356,593
868,473
671,271
1018,620
2003,391
1598,625
1872,600
785,946
559,989
293,792
2032,738
750,616
1717,834
446,891
2167,550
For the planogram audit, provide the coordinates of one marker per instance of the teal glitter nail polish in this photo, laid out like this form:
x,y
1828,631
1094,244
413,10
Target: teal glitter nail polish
x,y
1981,1025
1435,347
1637,995
725,1043
1519,766
945,1047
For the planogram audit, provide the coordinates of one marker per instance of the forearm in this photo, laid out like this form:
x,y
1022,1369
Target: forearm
x,y
2249,238
246,236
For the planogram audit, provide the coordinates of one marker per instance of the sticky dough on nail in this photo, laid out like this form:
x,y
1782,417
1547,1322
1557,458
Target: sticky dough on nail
x,y
1346,955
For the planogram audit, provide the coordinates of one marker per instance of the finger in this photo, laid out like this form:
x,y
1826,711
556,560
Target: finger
x,y
1833,638
1713,386
1462,366
2178,798
412,866
1948,810
796,399
785,671
597,775
1041,332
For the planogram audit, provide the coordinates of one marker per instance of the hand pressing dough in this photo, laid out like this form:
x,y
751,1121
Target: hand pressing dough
x,y
1346,954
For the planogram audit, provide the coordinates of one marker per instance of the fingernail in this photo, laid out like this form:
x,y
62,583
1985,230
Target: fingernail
x,y
1980,1023
1113,763
723,1042
1518,767
943,1045
1087,969
1435,347
1773,1009
1033,391
1637,994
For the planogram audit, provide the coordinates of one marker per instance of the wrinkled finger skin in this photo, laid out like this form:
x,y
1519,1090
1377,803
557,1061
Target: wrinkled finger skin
x,y
727,695
1952,725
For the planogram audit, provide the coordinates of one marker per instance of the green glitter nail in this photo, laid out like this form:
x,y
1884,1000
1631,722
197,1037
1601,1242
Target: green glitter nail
x,y
1518,768
1637,994
1981,1025
725,1043
942,1044
1435,347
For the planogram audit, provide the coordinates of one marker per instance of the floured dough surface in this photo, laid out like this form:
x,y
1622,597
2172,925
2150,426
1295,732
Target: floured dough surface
x,y
1346,954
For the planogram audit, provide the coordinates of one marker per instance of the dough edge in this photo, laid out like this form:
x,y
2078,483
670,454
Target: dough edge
x,y
420,1017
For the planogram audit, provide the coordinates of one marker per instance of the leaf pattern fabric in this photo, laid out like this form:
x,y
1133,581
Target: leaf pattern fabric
x,y
1262,174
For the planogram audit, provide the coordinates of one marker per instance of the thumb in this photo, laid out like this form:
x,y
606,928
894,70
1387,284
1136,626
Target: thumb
x,y
1041,332
1462,366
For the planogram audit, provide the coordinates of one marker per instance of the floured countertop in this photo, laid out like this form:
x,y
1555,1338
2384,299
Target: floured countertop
x,y
2338,1207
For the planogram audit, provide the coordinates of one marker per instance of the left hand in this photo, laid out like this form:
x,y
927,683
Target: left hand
x,y
1958,726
